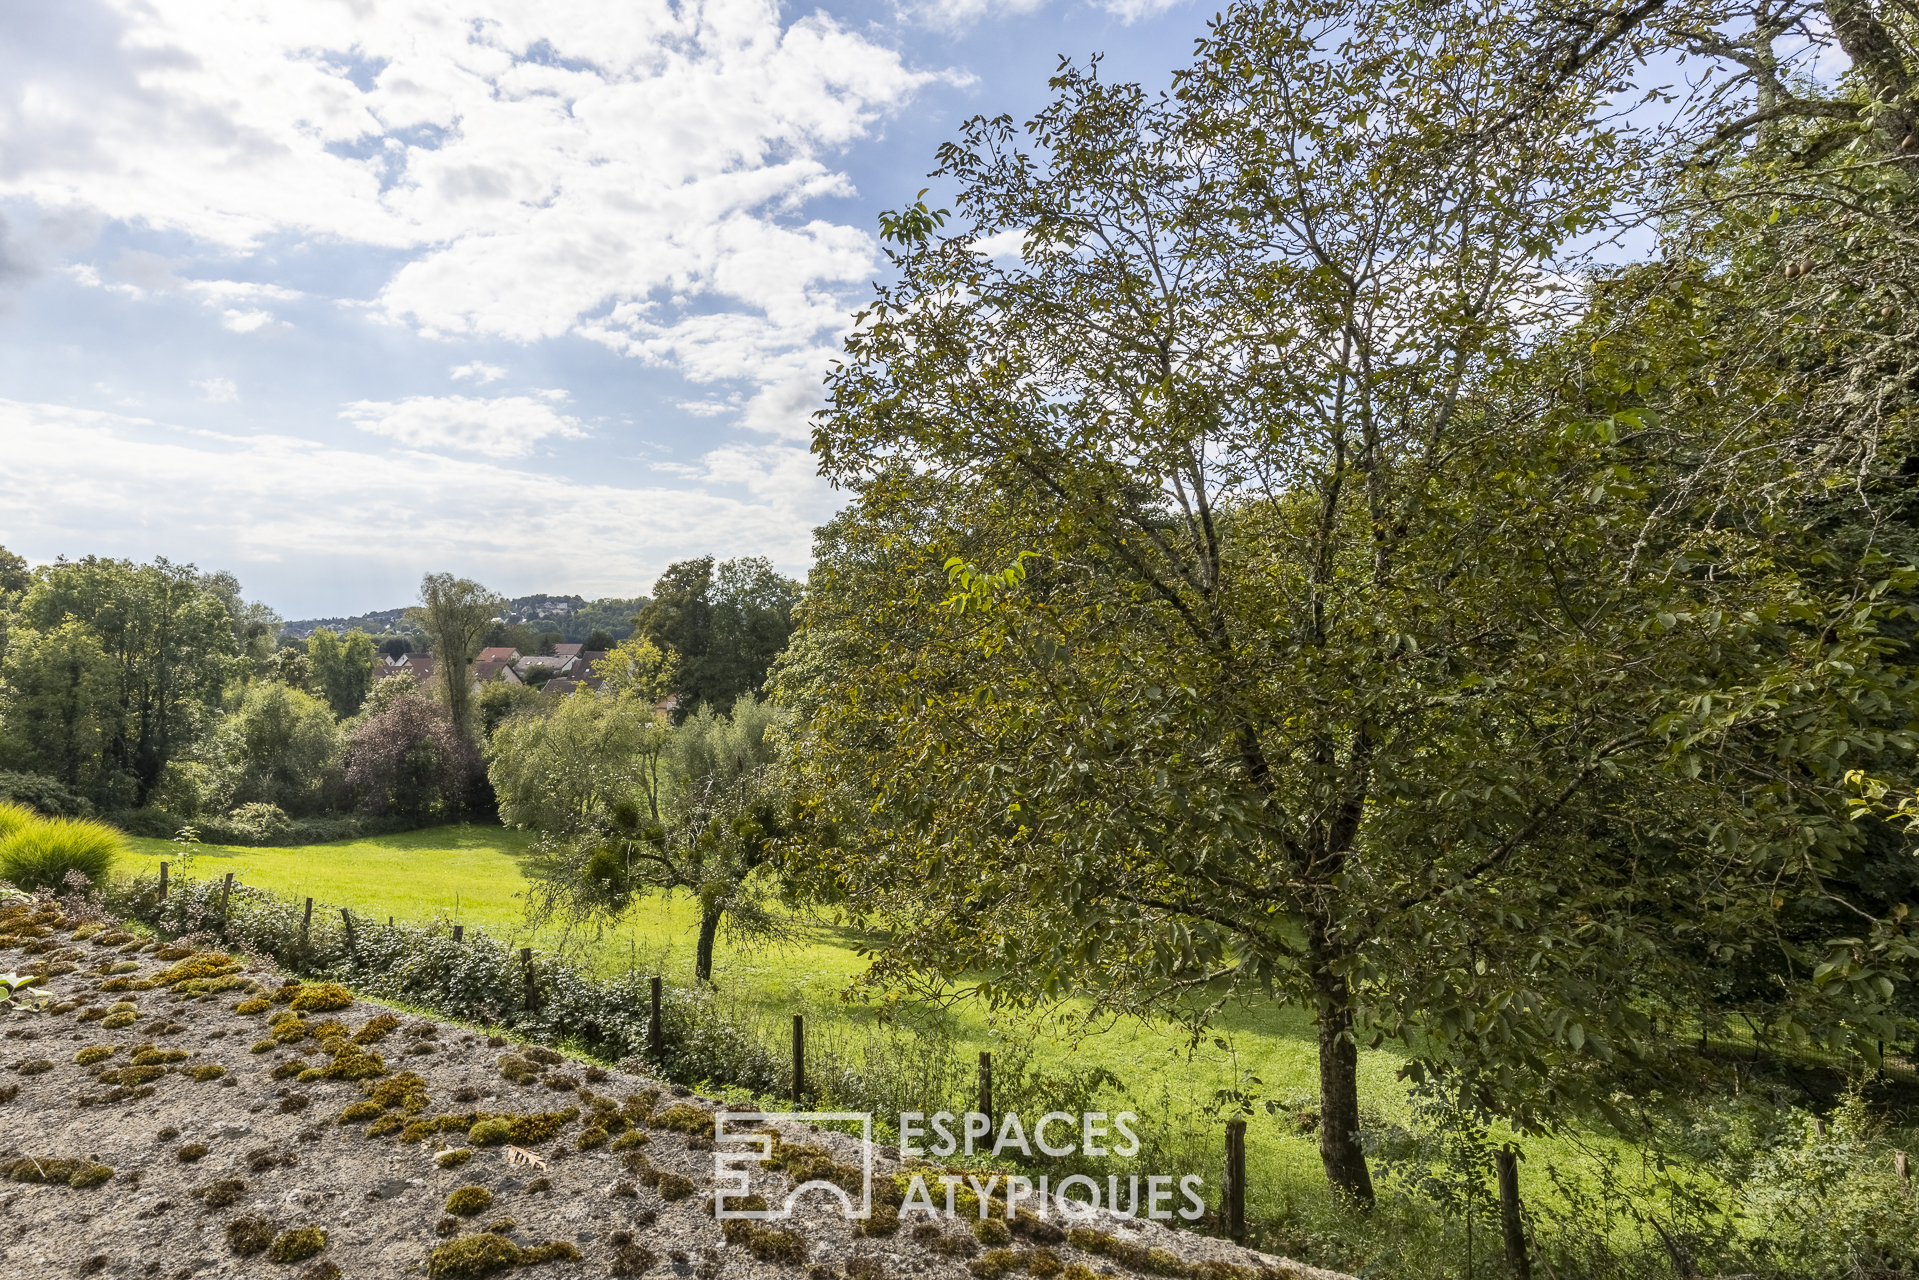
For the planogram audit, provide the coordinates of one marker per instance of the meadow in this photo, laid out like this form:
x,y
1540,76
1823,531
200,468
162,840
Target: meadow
x,y
477,876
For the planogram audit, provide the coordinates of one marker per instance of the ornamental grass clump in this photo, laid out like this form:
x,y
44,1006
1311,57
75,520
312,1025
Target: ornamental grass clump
x,y
39,854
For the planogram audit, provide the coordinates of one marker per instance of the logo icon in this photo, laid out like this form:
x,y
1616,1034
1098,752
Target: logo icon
x,y
733,1173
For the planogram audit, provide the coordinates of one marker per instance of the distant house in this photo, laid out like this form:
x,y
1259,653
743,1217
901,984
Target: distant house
x,y
419,665
551,661
499,654
487,670
567,650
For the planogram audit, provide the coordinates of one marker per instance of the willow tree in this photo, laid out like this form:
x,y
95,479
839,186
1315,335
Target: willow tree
x,y
1244,597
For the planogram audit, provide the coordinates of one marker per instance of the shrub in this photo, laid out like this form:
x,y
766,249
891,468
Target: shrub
x,y
38,855
250,824
36,792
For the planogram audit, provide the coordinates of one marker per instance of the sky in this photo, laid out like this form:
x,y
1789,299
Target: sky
x,y
335,293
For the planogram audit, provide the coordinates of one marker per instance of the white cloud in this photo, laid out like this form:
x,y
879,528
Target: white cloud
x,y
479,371
245,321
619,170
218,390
77,480
958,15
506,427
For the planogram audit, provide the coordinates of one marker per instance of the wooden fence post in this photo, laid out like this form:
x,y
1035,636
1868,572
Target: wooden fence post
x,y
306,922
1518,1265
352,947
526,969
459,932
1899,1166
163,882
655,1036
226,888
799,1058
986,1088
1232,1188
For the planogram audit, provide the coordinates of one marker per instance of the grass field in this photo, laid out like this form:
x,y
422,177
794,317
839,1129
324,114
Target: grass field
x,y
476,875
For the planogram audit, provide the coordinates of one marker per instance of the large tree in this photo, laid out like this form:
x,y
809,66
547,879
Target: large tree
x,y
456,614
169,638
1249,594
725,622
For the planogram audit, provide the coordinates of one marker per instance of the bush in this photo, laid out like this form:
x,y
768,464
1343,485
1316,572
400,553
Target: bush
x,y
39,854
251,824
38,792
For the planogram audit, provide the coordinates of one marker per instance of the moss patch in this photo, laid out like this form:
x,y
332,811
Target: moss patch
x,y
94,1053
469,1200
296,1245
476,1255
57,1171
321,997
248,1236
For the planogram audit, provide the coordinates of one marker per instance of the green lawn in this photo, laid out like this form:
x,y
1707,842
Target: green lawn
x,y
476,874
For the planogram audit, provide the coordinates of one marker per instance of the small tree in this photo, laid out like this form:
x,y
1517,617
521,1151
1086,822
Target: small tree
x,y
455,613
281,747
342,668
409,760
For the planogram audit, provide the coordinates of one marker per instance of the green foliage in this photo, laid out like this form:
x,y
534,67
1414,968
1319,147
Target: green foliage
x,y
455,613
57,691
279,747
724,622
561,769
500,700
43,794
1243,597
40,854
469,1200
342,668
168,639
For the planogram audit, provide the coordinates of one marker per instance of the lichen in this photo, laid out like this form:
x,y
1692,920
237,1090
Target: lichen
x,y
469,1200
296,1245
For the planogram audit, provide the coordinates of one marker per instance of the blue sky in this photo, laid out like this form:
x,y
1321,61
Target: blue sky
x,y
335,293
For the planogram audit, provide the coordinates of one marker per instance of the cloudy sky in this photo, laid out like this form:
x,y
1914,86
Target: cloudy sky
x,y
335,292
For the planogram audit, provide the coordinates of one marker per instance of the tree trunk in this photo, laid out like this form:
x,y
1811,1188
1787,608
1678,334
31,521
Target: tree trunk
x,y
1339,1148
709,928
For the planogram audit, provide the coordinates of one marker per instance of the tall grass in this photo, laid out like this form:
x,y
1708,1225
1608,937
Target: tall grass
x,y
38,853
15,816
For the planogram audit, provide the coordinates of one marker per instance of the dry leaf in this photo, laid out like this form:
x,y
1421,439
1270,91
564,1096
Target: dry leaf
x,y
519,1155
